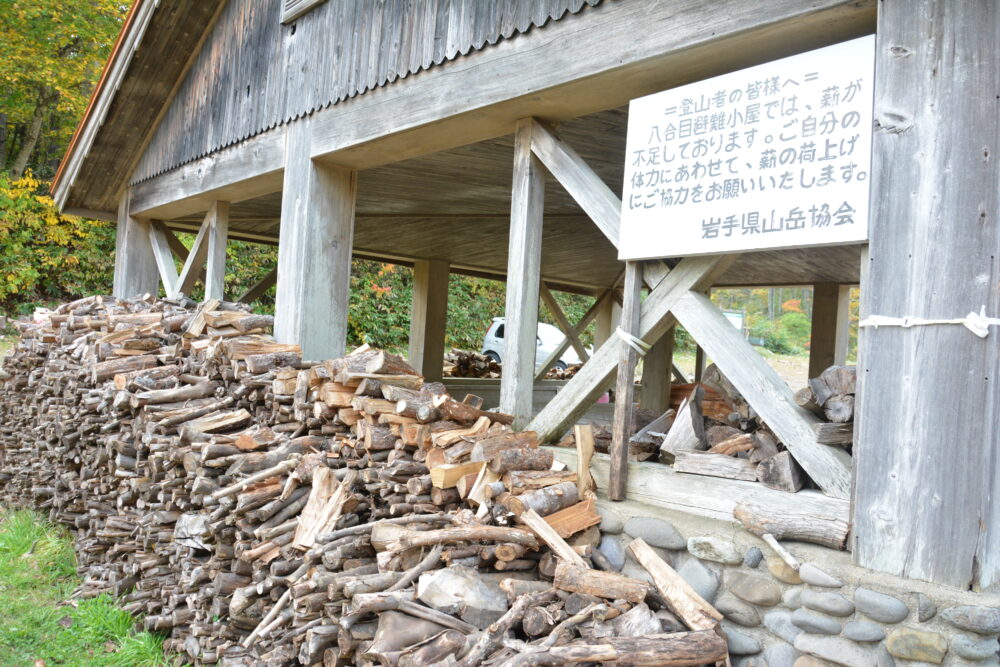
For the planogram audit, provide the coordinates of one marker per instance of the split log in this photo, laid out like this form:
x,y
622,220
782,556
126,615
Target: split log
x,y
607,585
780,472
688,429
788,524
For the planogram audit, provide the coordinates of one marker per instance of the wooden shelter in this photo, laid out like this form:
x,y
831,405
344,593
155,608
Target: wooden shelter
x,y
391,130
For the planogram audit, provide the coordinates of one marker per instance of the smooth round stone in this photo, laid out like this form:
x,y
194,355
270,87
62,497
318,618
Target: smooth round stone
x,y
835,649
635,571
612,549
926,609
753,557
738,611
780,655
739,643
656,532
815,623
702,580
911,644
792,598
879,606
974,648
827,602
809,661
883,657
755,588
779,570
779,622
864,631
814,576
717,549
974,618
611,522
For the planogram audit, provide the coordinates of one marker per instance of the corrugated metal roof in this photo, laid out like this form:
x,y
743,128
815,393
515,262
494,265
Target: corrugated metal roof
x,y
254,74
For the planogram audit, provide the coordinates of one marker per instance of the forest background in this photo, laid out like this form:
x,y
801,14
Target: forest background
x,y
54,53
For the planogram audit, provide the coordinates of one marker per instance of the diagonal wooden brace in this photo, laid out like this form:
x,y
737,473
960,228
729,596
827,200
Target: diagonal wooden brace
x,y
595,376
765,391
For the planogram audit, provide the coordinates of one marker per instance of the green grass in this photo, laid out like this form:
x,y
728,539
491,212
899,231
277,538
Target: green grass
x,y
37,573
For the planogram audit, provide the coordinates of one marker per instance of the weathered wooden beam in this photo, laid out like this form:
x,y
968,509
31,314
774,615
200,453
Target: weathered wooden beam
x,y
215,266
258,289
830,327
608,318
164,255
927,494
429,317
594,377
135,263
657,365
249,169
611,55
314,254
194,263
580,181
562,321
524,262
711,497
765,391
621,427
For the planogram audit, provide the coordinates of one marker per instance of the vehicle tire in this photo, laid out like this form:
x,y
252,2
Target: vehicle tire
x,y
493,356
559,365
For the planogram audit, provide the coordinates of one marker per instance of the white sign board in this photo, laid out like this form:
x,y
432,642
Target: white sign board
x,y
773,156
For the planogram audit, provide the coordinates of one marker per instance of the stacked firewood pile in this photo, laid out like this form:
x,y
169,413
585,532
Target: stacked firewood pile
x,y
831,397
466,364
711,430
263,509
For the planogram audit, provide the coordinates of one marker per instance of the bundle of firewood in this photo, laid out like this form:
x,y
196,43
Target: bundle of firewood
x,y
466,364
711,430
831,397
261,509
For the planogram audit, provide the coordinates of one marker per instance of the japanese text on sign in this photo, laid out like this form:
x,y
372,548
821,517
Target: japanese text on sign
x,y
772,156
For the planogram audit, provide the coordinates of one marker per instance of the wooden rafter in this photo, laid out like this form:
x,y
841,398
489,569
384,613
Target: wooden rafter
x,y
580,181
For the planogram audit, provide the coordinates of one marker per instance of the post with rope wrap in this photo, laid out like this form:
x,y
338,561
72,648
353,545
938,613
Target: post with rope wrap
x,y
621,428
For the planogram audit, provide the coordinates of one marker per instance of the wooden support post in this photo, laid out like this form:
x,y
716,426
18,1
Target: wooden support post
x,y
217,222
314,250
927,429
608,318
657,367
830,322
135,264
621,427
594,378
699,363
765,391
429,317
258,289
524,262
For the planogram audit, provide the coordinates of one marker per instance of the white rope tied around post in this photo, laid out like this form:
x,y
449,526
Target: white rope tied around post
x,y
637,344
977,323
